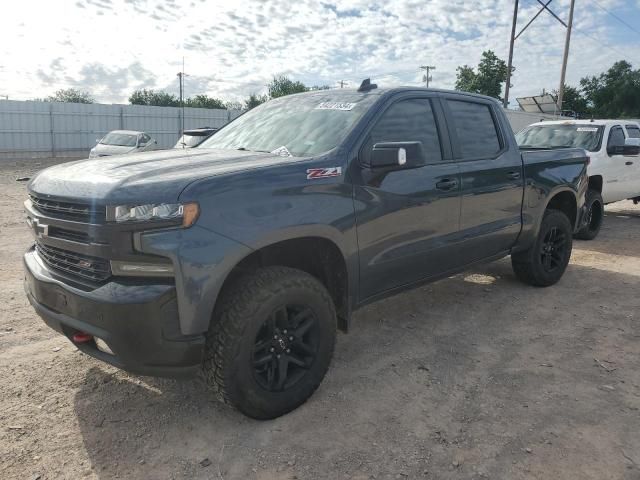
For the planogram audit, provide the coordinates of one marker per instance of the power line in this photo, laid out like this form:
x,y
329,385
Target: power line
x,y
630,27
602,43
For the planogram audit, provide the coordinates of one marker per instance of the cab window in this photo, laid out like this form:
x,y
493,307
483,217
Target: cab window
x,y
615,143
407,121
475,128
633,131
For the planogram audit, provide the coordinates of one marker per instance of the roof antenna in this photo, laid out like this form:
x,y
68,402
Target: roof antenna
x,y
366,85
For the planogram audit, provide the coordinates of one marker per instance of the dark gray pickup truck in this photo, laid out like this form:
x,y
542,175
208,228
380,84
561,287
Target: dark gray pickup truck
x,y
241,258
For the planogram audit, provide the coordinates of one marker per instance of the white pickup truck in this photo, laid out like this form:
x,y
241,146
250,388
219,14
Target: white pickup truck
x,y
614,168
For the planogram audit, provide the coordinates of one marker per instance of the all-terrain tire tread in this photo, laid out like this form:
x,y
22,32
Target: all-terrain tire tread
x,y
238,303
522,262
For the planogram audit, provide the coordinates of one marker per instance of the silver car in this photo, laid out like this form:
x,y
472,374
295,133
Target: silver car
x,y
118,142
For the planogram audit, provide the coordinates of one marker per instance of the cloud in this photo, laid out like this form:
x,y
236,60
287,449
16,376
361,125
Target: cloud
x,y
232,49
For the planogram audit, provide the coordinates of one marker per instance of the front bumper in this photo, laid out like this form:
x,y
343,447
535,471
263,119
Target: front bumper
x,y
138,319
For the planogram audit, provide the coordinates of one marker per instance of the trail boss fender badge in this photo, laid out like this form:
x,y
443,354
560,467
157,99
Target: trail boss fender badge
x,y
315,173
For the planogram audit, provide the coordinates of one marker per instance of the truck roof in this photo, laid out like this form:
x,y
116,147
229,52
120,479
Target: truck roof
x,y
392,90
595,122
128,132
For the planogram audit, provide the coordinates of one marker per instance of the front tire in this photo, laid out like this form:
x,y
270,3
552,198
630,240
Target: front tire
x,y
546,261
594,216
271,341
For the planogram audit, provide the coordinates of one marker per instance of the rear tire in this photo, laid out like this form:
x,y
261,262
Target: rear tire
x,y
594,216
546,261
271,341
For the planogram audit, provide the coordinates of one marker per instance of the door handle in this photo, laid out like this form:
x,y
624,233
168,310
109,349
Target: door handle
x,y
447,184
628,163
513,175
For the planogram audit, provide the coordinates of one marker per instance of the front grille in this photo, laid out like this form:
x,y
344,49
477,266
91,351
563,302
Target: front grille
x,y
80,237
83,266
79,212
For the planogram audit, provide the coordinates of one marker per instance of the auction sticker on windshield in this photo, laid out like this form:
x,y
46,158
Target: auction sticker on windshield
x,y
587,129
335,106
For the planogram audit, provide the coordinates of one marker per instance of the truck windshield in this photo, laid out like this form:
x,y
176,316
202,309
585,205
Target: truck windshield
x,y
583,136
299,125
119,139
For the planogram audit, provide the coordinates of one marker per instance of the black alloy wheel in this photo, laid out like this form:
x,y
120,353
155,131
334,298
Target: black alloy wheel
x,y
553,250
285,347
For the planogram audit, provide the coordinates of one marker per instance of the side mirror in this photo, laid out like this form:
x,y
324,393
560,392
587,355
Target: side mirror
x,y
397,154
631,147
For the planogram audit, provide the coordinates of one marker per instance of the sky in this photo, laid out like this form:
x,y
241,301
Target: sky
x,y
233,48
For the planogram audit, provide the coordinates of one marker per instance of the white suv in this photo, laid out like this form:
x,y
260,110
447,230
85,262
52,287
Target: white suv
x,y
614,170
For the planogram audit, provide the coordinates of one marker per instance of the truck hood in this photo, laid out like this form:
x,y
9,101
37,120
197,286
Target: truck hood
x,y
149,177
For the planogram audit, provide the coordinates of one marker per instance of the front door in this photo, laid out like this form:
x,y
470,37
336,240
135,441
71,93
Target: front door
x,y
619,168
407,219
492,178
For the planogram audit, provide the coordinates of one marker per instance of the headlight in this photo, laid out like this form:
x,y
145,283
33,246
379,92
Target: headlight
x,y
139,269
187,212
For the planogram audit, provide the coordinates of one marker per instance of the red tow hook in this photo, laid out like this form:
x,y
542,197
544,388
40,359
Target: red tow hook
x,y
82,337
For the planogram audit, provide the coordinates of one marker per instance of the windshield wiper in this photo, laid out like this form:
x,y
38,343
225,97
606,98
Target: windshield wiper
x,y
244,149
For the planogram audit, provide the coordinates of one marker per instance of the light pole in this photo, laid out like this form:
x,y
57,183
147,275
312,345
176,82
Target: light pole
x,y
427,77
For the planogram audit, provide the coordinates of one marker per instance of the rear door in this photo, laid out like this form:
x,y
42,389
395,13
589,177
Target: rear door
x,y
491,176
633,163
407,219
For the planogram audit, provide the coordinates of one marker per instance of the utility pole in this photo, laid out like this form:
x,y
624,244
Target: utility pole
x,y
565,57
342,83
427,78
510,62
181,76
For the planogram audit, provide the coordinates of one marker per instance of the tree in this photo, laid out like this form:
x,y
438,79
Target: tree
x,y
254,100
204,101
614,93
281,86
70,95
233,105
152,97
465,79
573,100
488,79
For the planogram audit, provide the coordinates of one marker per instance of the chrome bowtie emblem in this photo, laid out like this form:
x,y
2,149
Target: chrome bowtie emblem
x,y
39,229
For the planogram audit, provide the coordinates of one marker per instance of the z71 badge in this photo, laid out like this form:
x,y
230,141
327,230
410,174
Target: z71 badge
x,y
315,173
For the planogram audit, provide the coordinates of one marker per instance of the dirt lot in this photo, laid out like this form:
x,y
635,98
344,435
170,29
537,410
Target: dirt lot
x,y
477,376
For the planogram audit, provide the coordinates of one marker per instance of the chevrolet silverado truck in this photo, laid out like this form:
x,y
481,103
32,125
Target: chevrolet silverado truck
x,y
614,168
241,258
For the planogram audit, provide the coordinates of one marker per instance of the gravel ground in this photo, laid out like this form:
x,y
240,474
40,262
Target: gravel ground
x,y
476,376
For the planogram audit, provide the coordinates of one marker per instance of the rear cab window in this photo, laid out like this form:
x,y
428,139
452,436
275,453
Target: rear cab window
x,y
633,131
476,129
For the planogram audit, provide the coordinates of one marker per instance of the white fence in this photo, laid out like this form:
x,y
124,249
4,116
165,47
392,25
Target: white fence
x,y
51,129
